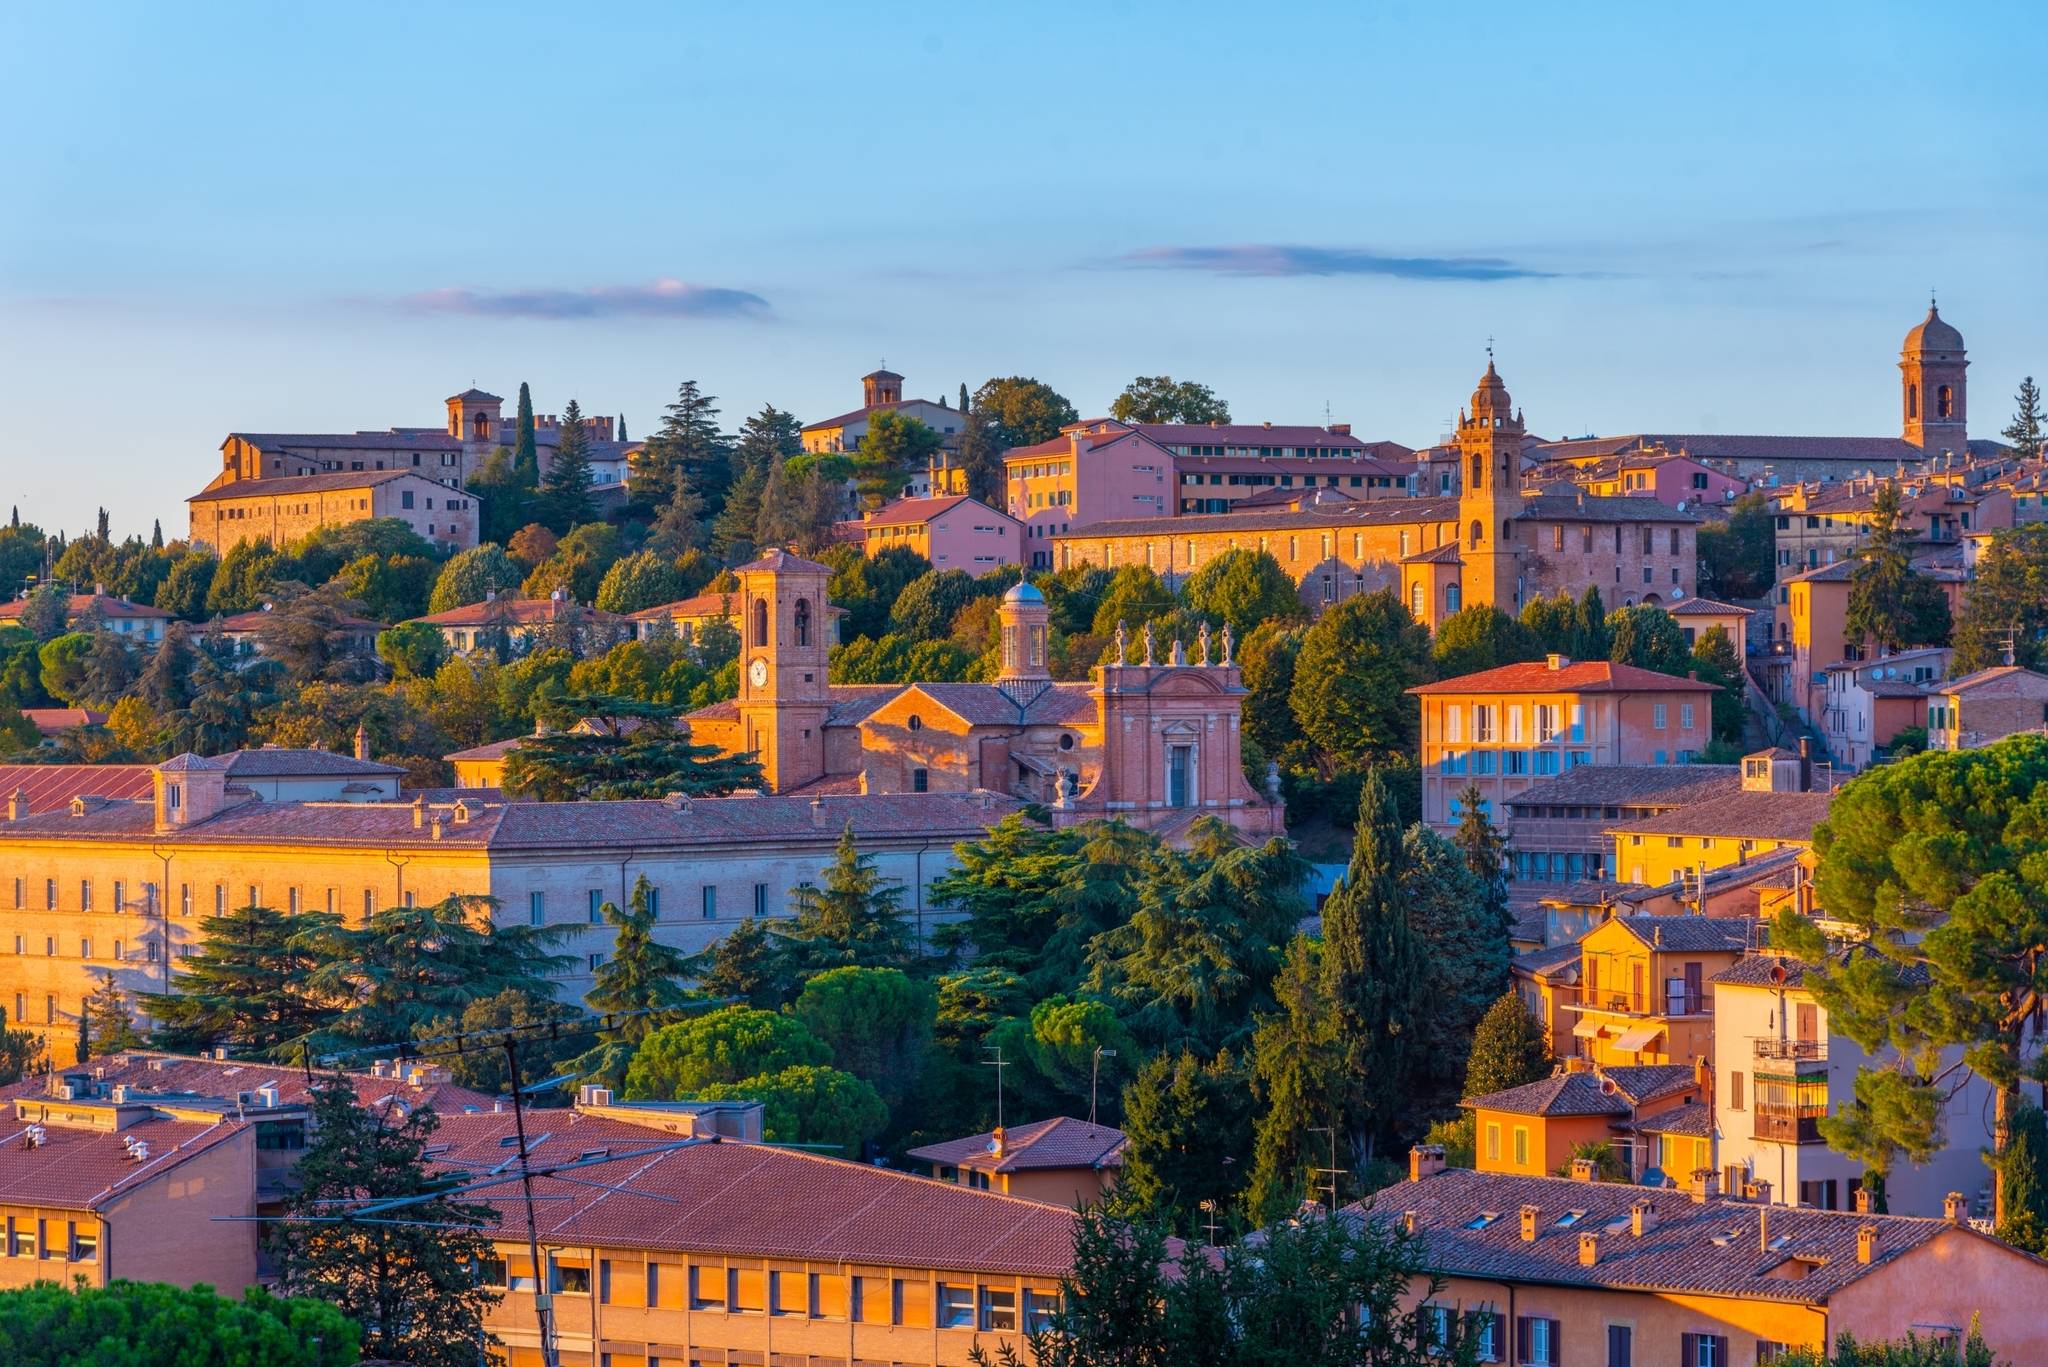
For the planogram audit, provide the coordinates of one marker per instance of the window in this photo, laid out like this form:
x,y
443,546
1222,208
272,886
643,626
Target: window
x,y
1488,1333
184,899
746,1290
1521,1146
49,894
956,1306
490,1271
120,895
1657,716
998,1309
1703,1350
1685,716
760,621
760,899
710,903
21,1237
1621,1345
1536,1341
1180,763
537,908
1493,1141
654,902
920,780
707,1287
1734,1091
596,906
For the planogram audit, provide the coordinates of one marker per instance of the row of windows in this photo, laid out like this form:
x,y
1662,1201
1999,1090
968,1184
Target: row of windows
x,y
839,1296
328,899
1515,763
1495,721
59,1239
707,902
84,947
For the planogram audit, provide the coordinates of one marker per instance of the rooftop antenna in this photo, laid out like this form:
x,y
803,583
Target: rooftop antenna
x,y
998,1063
1094,1071
1333,1171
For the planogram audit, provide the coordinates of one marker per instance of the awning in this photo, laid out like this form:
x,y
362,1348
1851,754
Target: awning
x,y
1633,1041
1588,1029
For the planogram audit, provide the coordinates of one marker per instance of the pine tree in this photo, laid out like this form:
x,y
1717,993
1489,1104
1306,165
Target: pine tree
x,y
565,493
526,455
2023,1168
855,918
2025,432
112,1024
245,988
641,975
411,1283
1484,847
742,965
687,448
1889,604
1295,1058
732,535
1372,978
627,749
1508,1049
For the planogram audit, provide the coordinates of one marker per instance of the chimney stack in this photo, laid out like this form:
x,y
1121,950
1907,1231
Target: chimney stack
x,y
1408,1221
1805,764
1953,1208
1529,1214
1425,1160
419,812
1583,1169
1642,1217
17,805
362,741
818,813
1702,1185
1860,1202
1866,1242
1589,1249
1763,1230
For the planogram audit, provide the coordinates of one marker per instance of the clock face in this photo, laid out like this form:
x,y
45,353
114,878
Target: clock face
x,y
758,672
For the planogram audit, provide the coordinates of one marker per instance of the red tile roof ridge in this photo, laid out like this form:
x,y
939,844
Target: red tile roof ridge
x,y
1575,676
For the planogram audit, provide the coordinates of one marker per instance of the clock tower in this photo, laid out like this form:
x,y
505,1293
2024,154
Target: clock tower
x,y
784,641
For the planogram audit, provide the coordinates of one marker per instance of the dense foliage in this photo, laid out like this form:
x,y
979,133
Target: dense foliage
x,y
139,1324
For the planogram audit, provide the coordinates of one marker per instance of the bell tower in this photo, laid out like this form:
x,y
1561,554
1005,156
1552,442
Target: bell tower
x,y
1490,458
784,642
1933,394
880,386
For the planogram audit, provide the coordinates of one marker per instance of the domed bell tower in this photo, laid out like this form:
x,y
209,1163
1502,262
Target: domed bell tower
x,y
784,642
1490,451
1023,618
1932,387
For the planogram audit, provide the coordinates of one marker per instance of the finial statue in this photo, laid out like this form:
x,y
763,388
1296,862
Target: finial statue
x,y
1149,655
1060,790
1226,645
1178,656
1202,645
1273,779
1122,639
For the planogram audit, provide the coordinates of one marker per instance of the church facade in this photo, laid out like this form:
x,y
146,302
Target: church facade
x,y
1153,739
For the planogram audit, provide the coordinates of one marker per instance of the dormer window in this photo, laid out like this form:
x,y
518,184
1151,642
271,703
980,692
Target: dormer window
x,y
173,796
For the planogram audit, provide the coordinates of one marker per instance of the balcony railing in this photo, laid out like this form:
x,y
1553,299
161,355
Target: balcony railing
x,y
1669,1004
1785,1126
1793,1050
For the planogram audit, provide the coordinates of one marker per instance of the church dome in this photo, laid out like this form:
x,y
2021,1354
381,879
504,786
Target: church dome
x,y
1023,593
1933,334
1491,398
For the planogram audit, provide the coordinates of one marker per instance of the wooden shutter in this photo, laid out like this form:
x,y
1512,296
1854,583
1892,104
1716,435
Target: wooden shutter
x,y
1500,1339
1720,1349
1557,1340
1689,1350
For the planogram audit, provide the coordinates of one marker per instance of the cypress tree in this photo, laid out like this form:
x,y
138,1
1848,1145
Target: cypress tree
x,y
525,456
622,428
963,396
1507,1049
1372,975
2023,1169
156,538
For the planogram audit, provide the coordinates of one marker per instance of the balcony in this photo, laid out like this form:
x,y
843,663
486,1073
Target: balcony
x,y
1793,1050
1785,1125
1630,1004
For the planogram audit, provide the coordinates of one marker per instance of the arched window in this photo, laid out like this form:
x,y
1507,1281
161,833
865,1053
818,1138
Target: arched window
x,y
1912,400
760,621
803,621
1507,532
1478,473
482,425
1478,532
1415,600
1945,402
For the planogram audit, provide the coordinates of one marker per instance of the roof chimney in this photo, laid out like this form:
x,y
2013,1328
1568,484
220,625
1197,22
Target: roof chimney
x,y
362,741
1805,764
1583,1169
1642,1217
419,812
1425,1160
1529,1214
17,804
1408,1222
1763,1229
818,812
1860,1201
1866,1242
1589,1248
998,1142
1555,661
1953,1208
1702,1185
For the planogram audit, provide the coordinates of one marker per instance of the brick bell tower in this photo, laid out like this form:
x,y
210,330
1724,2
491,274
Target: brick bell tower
x,y
1490,451
784,641
1933,393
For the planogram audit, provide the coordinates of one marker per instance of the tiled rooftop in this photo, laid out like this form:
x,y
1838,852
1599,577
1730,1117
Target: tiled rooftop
x,y
1577,676
1745,815
1614,1091
1061,1142
50,787
1631,785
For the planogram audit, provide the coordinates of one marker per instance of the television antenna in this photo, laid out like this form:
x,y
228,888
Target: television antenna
x,y
998,1063
1333,1172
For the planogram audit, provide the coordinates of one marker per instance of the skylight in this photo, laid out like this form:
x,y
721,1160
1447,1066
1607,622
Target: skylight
x,y
1482,1219
1570,1218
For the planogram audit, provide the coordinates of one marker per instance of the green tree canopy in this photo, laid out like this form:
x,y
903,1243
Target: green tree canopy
x,y
894,448
876,1021
1648,638
1508,1049
855,918
1482,637
246,985
1351,679
1890,605
1245,589
621,748
473,575
2007,601
126,1324
813,1105
1159,398
1134,596
1024,411
1738,555
1186,1122
720,1047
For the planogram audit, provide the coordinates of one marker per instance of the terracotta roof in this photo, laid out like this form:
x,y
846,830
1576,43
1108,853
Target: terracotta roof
x,y
909,511
779,559
1695,1118
1446,554
472,395
1838,573
1599,508
1765,970
81,1169
1995,674
1551,959
50,787
1248,434
496,749
1061,1142
1579,676
514,612
1613,1091
1063,444
252,621
278,762
1688,934
698,605
544,825
1885,451
1751,815
868,411
50,721
1706,607
1710,1248
755,1200
1391,512
153,1075
286,485
395,439
980,704
77,605
1631,785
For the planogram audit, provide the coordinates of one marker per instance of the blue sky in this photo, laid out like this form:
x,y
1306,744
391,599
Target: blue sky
x,y
303,218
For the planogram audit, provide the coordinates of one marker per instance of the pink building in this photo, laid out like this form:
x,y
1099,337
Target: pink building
x,y
1086,474
954,533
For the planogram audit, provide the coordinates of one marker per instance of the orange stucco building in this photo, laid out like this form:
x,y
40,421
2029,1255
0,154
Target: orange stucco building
x,y
1063,1161
1535,1129
1646,987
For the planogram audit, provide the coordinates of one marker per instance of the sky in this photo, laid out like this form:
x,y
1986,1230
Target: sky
x,y
323,218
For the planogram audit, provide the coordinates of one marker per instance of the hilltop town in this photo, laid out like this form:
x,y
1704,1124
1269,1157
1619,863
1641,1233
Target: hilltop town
x,y
775,892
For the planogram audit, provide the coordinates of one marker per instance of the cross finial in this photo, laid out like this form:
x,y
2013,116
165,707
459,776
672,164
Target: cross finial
x,y
1489,347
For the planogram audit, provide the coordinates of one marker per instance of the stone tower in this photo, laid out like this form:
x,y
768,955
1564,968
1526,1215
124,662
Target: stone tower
x,y
1490,451
1022,618
474,419
784,630
880,386
1932,387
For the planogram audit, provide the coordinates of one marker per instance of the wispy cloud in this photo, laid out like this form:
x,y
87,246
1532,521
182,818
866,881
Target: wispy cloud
x,y
661,299
1281,259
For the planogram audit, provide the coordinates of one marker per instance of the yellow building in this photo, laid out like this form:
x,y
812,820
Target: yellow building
x,y
1777,809
280,511
1535,1129
118,888
1682,1278
1646,992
